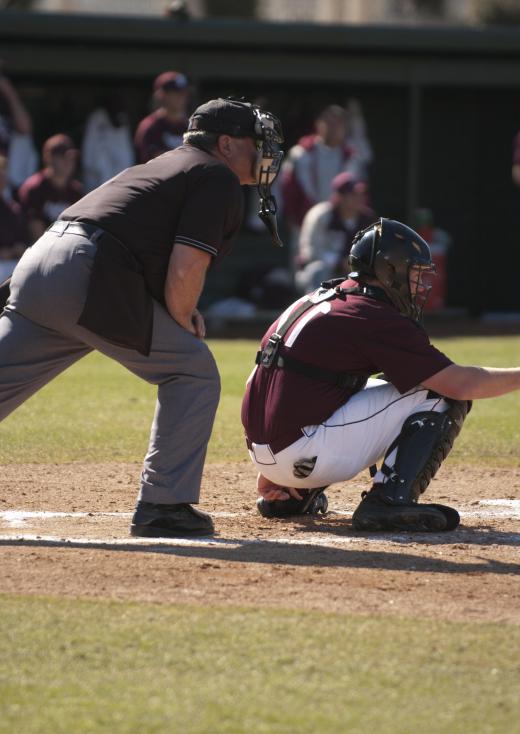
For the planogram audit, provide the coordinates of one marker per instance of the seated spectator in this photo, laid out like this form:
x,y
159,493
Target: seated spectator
x,y
48,192
312,164
13,235
328,230
16,141
163,129
107,147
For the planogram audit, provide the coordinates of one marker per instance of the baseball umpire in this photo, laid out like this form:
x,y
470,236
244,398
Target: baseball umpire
x,y
122,272
313,415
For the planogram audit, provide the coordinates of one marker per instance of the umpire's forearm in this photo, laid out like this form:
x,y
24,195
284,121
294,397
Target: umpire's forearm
x,y
184,283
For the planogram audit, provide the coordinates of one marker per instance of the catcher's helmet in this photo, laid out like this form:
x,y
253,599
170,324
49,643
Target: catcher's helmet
x,y
388,250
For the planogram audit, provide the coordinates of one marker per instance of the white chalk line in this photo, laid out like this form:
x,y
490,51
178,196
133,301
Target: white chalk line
x,y
176,542
505,508
324,541
19,518
232,543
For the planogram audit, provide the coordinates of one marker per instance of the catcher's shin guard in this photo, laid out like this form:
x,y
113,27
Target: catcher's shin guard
x,y
313,502
425,441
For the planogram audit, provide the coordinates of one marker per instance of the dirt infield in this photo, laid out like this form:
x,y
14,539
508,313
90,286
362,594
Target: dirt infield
x,y
64,531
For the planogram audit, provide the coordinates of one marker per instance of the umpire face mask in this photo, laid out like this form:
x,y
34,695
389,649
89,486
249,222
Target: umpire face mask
x,y
269,138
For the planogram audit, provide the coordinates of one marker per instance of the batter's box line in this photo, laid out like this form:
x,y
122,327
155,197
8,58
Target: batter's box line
x,y
150,544
323,540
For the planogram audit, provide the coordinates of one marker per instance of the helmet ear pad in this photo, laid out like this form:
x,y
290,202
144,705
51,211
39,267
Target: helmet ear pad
x,y
363,252
395,283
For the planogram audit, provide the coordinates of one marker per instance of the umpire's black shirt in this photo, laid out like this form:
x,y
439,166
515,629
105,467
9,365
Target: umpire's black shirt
x,y
185,195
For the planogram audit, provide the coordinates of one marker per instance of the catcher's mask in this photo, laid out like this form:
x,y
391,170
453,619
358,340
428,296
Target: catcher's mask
x,y
399,258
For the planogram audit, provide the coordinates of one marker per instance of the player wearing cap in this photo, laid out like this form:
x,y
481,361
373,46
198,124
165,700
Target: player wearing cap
x,y
328,229
122,272
45,194
163,129
313,415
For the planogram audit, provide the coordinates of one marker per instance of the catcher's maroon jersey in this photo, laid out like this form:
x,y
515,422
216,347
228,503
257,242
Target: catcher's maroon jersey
x,y
359,335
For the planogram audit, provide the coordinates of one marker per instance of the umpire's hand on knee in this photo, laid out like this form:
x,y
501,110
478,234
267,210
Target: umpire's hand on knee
x,y
271,491
198,324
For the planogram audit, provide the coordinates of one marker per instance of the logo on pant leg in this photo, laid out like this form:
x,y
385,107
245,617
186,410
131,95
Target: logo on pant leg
x,y
304,467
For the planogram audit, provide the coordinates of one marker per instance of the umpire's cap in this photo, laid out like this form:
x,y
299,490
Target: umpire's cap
x,y
225,116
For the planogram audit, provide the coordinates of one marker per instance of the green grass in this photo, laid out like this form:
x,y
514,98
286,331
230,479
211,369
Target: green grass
x,y
97,411
84,666
121,668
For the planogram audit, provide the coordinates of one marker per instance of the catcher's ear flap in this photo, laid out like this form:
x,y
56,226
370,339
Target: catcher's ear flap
x,y
385,272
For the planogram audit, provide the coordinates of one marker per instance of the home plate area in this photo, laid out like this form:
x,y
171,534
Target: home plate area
x,y
111,528
64,530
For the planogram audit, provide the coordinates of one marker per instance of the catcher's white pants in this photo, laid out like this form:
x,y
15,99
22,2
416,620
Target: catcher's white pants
x,y
355,437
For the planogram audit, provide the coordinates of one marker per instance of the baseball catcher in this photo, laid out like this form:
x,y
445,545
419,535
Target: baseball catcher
x,y
314,413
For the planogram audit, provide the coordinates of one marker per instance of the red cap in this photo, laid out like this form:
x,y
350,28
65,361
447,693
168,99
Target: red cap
x,y
346,183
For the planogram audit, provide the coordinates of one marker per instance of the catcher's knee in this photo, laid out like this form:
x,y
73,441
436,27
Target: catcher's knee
x,y
425,441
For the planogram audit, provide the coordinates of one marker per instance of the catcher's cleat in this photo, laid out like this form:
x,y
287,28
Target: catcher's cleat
x,y
169,521
313,501
373,514
451,515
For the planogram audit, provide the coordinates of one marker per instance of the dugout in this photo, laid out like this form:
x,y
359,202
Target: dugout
x,y
442,106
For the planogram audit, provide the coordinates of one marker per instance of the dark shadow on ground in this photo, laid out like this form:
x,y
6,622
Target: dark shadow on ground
x,y
279,553
478,535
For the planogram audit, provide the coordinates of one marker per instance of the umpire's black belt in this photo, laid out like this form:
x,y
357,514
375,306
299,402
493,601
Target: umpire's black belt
x,y
91,231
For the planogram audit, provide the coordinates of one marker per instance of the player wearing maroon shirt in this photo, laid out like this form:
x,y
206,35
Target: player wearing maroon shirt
x,y
313,415
163,129
45,194
13,232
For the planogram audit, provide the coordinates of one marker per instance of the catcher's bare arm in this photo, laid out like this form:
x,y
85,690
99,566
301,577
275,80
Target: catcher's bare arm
x,y
472,382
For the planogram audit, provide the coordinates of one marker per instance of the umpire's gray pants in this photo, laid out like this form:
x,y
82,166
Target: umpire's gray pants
x,y
40,337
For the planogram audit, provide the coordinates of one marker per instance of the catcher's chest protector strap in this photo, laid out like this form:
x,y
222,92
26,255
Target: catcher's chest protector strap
x,y
269,357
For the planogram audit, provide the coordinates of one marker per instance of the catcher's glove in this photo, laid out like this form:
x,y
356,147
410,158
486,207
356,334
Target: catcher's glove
x,y
312,502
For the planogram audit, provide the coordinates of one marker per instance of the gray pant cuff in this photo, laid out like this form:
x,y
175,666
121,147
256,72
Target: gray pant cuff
x,y
163,496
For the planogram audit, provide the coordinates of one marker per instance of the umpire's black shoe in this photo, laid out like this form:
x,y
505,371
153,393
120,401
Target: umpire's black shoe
x,y
169,521
312,502
373,514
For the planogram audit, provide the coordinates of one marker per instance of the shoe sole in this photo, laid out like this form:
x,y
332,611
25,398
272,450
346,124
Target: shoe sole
x,y
409,523
451,515
144,531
